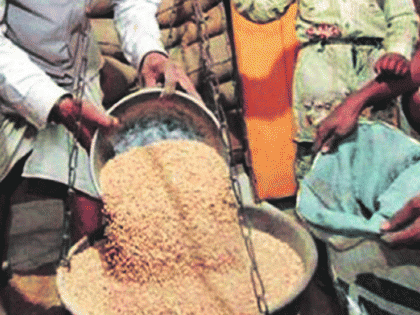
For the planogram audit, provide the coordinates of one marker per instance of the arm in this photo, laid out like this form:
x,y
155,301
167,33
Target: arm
x,y
344,118
81,118
404,227
23,85
140,35
401,36
411,108
138,29
379,90
262,11
28,91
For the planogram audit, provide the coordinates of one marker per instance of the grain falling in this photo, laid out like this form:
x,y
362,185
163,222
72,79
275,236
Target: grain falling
x,y
165,204
173,244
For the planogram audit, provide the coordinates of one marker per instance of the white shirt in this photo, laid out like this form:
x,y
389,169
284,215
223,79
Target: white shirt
x,y
31,93
26,90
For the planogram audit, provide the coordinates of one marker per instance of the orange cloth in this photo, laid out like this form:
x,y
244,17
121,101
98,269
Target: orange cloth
x,y
266,58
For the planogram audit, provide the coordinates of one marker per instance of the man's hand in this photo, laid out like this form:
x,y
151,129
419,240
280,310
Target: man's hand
x,y
68,111
158,68
404,227
338,124
392,64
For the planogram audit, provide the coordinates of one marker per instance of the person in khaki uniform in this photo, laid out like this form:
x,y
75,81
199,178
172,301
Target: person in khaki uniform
x,y
342,43
45,47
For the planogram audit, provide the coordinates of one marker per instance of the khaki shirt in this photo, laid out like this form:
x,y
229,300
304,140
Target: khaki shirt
x,y
395,21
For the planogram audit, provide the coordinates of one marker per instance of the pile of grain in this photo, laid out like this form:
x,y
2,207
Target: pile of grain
x,y
173,243
169,206
87,288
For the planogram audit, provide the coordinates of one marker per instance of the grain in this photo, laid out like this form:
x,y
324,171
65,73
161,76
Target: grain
x,y
165,204
173,243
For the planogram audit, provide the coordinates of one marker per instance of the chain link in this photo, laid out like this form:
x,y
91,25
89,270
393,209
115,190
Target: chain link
x,y
78,93
244,222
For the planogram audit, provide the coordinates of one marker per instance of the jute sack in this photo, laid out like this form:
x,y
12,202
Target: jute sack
x,y
183,46
188,32
176,12
192,59
106,35
345,199
196,35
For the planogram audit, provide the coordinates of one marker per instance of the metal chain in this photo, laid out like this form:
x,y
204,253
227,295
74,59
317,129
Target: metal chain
x,y
78,93
244,222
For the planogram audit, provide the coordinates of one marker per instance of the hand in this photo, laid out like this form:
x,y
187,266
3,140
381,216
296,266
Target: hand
x,y
157,68
404,227
338,124
67,111
392,64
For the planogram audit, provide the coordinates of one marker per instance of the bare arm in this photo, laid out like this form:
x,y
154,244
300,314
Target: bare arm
x,y
343,119
379,90
82,119
140,35
404,227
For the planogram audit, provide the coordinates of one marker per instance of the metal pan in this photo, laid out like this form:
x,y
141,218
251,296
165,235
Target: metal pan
x,y
147,118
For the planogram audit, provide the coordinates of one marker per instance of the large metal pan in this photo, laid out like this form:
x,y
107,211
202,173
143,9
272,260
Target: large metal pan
x,y
263,217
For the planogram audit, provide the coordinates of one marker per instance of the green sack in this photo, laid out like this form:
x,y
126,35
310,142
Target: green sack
x,y
345,198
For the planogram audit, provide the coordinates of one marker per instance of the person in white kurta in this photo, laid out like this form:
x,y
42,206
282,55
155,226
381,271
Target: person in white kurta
x,y
40,49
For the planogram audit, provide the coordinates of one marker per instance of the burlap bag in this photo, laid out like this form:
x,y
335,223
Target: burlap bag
x,y
176,12
188,32
117,80
344,200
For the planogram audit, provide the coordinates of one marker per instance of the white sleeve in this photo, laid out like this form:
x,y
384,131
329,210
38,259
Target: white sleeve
x,y
24,87
138,28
